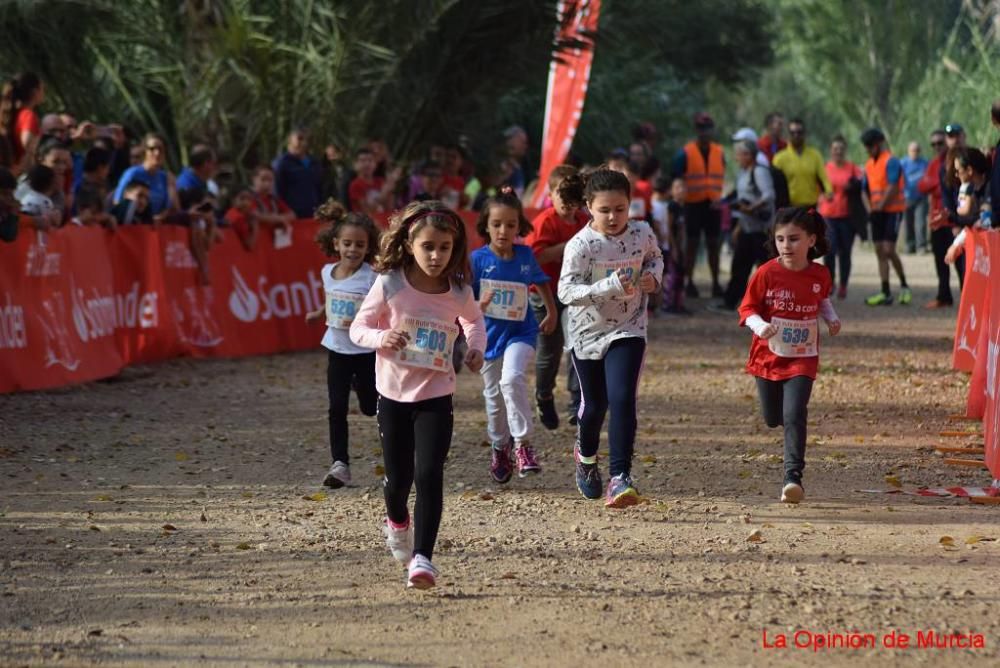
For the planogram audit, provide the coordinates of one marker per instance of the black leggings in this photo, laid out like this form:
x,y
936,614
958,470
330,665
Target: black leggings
x,y
343,372
786,402
941,240
418,431
612,381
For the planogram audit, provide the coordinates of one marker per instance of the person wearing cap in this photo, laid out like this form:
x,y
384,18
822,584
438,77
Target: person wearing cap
x,y
747,134
941,233
886,201
702,165
772,141
803,168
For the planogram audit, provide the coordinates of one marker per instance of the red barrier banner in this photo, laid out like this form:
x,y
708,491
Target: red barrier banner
x,y
80,303
991,419
971,311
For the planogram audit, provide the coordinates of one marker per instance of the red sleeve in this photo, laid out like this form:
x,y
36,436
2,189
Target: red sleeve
x,y
282,207
238,221
930,183
27,119
355,194
753,299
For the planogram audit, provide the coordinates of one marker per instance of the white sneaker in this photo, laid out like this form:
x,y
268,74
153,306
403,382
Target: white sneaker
x,y
400,541
338,476
792,493
422,574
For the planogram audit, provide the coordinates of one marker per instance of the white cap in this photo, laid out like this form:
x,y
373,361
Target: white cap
x,y
745,133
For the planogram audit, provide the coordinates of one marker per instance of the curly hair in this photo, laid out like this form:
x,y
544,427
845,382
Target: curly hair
x,y
603,179
406,224
505,197
567,182
809,221
334,213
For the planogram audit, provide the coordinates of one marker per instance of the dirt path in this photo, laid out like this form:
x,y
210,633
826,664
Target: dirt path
x,y
162,519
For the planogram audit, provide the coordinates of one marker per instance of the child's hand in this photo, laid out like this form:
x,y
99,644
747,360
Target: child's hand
x,y
952,254
833,327
485,299
647,282
768,331
548,323
396,340
314,316
626,282
474,360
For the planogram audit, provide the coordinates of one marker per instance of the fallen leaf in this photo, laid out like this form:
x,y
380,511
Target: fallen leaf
x,y
744,474
246,495
318,496
648,459
181,456
379,470
972,540
169,527
756,537
947,540
243,546
893,480
486,496
95,632
94,527
103,497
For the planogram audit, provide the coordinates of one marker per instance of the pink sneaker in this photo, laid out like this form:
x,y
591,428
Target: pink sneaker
x,y
526,461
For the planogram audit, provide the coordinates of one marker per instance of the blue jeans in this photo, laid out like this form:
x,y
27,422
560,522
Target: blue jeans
x,y
611,382
840,234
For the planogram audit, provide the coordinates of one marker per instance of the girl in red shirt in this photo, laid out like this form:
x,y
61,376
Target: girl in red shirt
x,y
783,302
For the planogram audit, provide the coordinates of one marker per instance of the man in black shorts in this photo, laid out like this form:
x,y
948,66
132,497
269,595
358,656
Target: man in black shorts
x,y
885,186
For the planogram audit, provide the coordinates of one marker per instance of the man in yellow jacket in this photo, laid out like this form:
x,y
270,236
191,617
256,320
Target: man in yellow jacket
x,y
803,167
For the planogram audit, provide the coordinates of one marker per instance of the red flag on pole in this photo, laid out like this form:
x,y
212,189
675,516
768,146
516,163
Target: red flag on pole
x,y
568,77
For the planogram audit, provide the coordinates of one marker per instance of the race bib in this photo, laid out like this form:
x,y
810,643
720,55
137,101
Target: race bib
x,y
341,307
604,269
510,299
795,338
431,344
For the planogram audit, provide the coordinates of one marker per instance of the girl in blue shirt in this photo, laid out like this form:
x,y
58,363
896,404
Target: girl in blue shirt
x,y
502,272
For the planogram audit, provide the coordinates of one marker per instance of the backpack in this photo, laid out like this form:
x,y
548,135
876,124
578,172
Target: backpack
x,y
781,198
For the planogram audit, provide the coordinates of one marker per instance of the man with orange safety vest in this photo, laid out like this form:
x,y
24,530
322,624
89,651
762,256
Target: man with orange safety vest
x,y
703,167
885,199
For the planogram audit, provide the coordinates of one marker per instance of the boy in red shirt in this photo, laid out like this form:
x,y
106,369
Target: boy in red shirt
x,y
370,194
552,228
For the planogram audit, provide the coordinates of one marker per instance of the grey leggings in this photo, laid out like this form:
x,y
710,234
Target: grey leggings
x,y
786,402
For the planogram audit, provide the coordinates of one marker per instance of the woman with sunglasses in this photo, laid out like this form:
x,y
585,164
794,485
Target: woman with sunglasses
x,y
940,229
152,170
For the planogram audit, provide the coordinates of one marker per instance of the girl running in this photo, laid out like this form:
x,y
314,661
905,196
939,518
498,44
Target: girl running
x,y
609,268
501,274
352,239
780,307
408,317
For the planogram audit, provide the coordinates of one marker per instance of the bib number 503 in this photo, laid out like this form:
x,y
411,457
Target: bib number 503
x,y
430,339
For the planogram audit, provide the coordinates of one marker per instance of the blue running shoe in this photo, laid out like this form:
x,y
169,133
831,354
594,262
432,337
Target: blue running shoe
x,y
588,477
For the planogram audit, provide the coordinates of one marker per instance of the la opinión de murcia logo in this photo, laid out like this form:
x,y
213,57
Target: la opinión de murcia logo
x,y
274,301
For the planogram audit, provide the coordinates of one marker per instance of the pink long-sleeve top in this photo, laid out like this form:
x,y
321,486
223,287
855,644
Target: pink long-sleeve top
x,y
423,370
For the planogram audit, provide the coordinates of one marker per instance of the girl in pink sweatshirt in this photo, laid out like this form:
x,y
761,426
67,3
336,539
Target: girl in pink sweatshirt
x,y
408,317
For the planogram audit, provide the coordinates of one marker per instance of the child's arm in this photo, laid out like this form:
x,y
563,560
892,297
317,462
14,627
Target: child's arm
x,y
313,316
365,331
651,277
551,319
553,253
760,327
474,326
827,312
574,284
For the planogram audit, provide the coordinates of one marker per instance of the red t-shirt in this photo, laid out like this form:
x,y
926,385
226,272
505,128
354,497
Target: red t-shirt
x,y
239,222
641,205
769,148
267,203
26,121
777,292
456,183
364,190
839,176
548,229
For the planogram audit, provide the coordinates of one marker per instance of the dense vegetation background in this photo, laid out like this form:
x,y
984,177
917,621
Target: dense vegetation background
x,y
240,73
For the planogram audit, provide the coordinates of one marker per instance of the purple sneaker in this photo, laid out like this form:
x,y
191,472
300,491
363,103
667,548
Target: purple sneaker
x,y
526,461
501,466
621,492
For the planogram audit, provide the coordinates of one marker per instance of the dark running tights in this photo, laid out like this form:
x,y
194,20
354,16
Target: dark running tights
x,y
415,442
343,371
786,402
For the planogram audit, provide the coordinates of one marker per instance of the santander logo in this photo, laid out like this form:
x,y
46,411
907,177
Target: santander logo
x,y
279,300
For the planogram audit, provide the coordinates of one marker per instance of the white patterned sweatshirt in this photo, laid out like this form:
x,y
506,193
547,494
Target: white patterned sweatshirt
x,y
599,310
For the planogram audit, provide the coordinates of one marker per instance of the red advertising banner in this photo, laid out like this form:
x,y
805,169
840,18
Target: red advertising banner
x,y
971,311
569,74
991,419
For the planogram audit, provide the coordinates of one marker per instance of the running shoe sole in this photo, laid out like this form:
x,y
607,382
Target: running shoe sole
x,y
792,493
421,581
332,482
629,497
